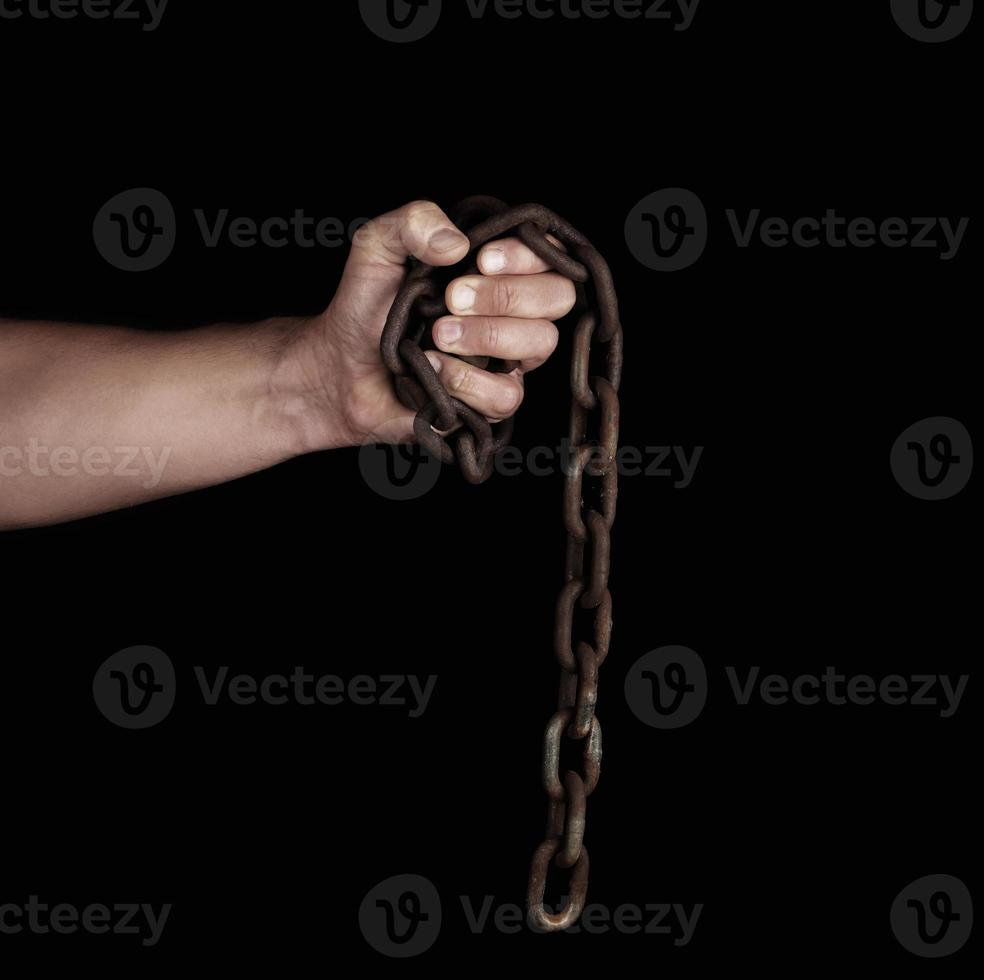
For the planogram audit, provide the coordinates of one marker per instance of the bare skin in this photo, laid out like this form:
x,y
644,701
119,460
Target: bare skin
x,y
96,418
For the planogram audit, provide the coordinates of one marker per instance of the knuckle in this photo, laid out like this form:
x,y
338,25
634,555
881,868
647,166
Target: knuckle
x,y
493,335
515,255
528,259
460,380
380,235
508,400
503,295
367,234
418,209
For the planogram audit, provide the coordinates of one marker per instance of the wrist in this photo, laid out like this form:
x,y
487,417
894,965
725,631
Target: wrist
x,y
308,386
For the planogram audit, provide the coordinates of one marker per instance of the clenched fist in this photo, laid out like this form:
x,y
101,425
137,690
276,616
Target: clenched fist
x,y
507,312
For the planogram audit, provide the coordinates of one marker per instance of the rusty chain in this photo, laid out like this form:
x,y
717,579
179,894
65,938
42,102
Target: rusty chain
x,y
580,649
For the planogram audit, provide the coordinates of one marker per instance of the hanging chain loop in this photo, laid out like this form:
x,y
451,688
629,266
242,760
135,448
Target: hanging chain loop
x,y
591,474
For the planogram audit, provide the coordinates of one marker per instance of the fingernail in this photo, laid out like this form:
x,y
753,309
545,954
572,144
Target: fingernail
x,y
445,240
435,361
449,331
493,260
463,297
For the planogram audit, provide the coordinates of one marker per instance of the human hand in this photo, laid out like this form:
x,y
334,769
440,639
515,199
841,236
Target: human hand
x,y
506,311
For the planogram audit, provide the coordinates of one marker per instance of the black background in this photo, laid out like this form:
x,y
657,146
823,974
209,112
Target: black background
x,y
794,547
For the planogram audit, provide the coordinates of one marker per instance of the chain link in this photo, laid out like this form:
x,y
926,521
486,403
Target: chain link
x,y
590,474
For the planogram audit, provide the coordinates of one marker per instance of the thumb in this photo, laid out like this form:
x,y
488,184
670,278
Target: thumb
x,y
377,262
420,229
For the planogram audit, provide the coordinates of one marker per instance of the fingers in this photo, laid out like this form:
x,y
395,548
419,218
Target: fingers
x,y
496,396
420,229
510,255
530,342
506,313
545,296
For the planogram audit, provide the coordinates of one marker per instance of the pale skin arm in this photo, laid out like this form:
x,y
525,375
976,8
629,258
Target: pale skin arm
x,y
93,418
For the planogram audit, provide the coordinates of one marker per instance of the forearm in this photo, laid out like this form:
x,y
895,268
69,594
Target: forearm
x,y
97,418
